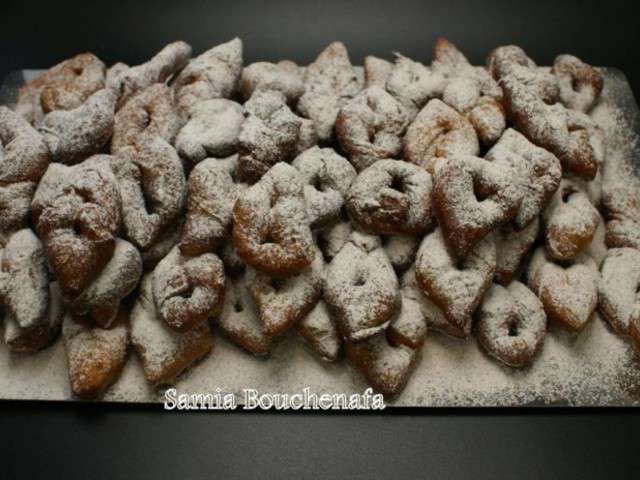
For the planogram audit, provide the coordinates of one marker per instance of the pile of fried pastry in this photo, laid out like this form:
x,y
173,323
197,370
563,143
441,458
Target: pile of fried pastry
x,y
153,205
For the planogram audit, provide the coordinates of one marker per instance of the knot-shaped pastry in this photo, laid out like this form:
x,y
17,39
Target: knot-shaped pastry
x,y
282,303
95,355
361,288
75,80
370,127
212,130
160,68
150,112
23,161
268,135
329,82
164,352
391,197
376,71
456,287
580,84
239,320
537,173
387,359
513,246
326,177
153,189
188,290
79,226
24,284
571,221
569,292
511,324
438,132
100,302
618,288
73,135
271,229
413,84
272,76
472,197
621,205
213,74
471,91
211,196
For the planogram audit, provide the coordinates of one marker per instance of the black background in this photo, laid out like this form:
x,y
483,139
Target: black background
x,y
57,440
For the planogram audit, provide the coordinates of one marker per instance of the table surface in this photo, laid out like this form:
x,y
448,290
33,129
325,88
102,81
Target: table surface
x,y
39,439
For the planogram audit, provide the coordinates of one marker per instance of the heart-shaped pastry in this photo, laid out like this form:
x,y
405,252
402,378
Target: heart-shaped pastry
x,y
283,302
511,324
387,358
361,288
456,287
513,246
164,352
95,355
571,221
240,321
188,290
618,298
537,173
569,294
472,197
321,333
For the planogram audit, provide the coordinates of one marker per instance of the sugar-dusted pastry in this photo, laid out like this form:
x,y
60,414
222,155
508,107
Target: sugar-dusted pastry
x,y
456,287
370,127
436,133
376,71
332,238
330,81
272,76
78,227
580,84
150,112
162,246
100,301
23,160
24,289
413,84
212,130
618,288
213,74
212,192
361,288
95,355
568,292
239,320
326,177
512,246
51,186
537,173
268,135
401,250
271,229
31,340
511,324
282,303
76,134
387,359
621,209
391,197
160,68
164,352
570,221
188,290
320,332
472,197
153,189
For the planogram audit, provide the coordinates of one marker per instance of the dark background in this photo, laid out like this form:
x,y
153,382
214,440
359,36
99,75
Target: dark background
x,y
58,440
